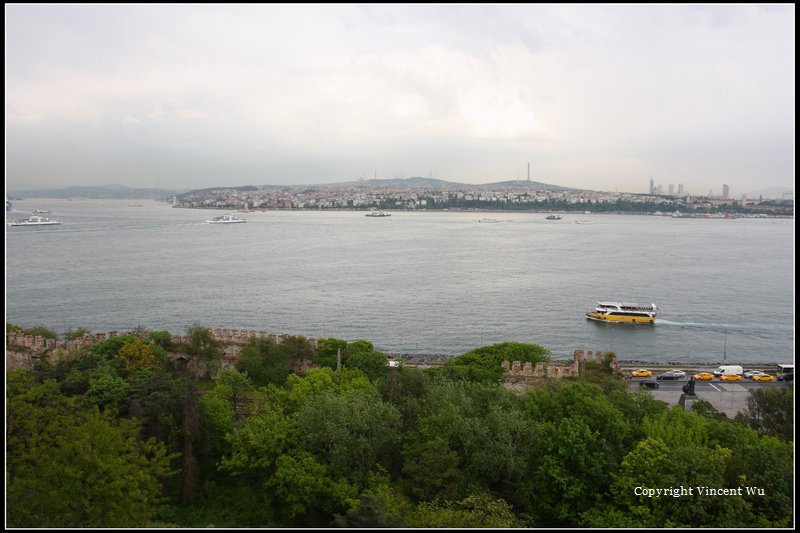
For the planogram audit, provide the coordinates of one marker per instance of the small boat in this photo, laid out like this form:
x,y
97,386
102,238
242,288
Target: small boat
x,y
42,212
584,221
621,312
35,220
553,217
489,220
134,205
377,214
226,219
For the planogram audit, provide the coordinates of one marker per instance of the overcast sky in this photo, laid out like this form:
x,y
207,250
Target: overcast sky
x,y
601,98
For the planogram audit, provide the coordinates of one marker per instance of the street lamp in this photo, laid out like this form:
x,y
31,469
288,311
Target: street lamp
x,y
725,348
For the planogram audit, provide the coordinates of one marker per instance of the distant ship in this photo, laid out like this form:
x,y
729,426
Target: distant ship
x,y
377,214
42,212
226,219
35,221
553,217
489,220
630,313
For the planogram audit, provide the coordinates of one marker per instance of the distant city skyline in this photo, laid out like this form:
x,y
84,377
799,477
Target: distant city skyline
x,y
592,97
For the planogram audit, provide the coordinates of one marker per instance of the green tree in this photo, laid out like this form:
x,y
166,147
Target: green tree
x,y
306,493
353,432
484,363
405,389
327,350
204,350
771,411
257,444
109,348
162,338
431,470
71,466
232,385
480,510
371,363
106,388
138,355
300,389
265,362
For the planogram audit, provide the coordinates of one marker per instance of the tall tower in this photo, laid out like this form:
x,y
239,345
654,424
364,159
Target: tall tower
x,y
652,189
529,171
725,190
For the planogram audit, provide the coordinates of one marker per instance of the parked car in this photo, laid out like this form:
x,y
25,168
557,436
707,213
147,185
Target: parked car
x,y
649,383
753,373
731,377
704,376
672,374
641,373
786,377
763,377
728,370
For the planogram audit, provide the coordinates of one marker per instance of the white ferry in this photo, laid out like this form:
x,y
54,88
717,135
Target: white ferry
x,y
377,214
629,313
226,219
553,217
489,221
35,221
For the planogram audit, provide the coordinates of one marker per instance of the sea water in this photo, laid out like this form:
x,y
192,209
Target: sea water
x,y
414,283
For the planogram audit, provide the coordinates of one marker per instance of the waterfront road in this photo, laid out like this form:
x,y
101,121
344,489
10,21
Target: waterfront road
x,y
728,397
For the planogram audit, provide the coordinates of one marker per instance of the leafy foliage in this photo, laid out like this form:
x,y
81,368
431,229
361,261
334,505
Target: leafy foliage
x,y
771,411
94,437
71,466
484,364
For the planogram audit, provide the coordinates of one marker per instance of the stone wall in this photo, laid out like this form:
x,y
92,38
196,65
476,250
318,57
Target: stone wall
x,y
22,350
518,374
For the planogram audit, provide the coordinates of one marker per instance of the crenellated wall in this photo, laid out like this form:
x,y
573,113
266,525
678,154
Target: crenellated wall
x,y
518,374
22,350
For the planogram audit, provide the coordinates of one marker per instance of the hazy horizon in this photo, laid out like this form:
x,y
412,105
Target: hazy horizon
x,y
594,97
767,193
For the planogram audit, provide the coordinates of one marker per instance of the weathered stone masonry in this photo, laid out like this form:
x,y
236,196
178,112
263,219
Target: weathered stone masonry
x,y
22,350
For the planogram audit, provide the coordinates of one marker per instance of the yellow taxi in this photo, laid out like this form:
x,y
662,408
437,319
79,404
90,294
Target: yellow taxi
x,y
641,373
731,377
763,377
704,376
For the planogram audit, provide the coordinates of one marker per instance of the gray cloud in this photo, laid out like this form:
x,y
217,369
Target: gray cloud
x,y
598,97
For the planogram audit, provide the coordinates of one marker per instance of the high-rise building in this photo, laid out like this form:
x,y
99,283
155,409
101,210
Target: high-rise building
x,y
680,189
672,189
725,190
652,189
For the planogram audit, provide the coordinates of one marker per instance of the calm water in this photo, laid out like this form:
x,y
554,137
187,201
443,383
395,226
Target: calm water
x,y
425,283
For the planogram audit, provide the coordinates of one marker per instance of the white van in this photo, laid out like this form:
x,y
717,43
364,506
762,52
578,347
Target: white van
x,y
728,370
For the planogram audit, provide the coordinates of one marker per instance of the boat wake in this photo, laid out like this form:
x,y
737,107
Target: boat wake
x,y
711,326
704,325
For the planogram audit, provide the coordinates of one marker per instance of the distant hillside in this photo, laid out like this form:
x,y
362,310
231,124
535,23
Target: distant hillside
x,y
525,184
243,188
102,191
442,184
407,182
